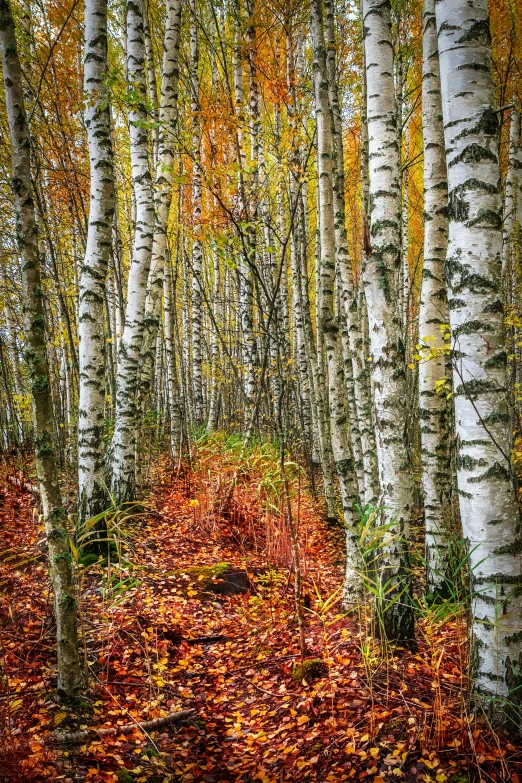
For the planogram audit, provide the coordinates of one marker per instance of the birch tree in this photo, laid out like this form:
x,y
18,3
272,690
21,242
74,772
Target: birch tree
x,y
35,352
92,492
361,424
328,326
197,205
488,507
168,124
124,440
435,421
382,273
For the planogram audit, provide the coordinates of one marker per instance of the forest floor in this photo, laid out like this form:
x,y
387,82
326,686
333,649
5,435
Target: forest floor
x,y
368,715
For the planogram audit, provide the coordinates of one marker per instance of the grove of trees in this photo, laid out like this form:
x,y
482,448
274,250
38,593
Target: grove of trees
x,y
294,221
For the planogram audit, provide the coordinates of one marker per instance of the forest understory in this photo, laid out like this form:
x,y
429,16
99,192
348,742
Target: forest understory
x,y
199,615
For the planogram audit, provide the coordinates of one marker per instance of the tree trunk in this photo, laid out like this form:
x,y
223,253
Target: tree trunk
x,y
434,404
197,244
168,118
359,393
381,283
60,560
124,441
92,493
328,324
488,507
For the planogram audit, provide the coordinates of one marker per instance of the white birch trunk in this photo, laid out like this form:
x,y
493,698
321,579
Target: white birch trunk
x,y
92,492
168,120
510,203
129,365
381,283
435,420
170,367
357,378
246,303
197,244
327,322
488,507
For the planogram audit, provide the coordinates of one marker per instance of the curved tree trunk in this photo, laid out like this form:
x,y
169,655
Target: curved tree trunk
x,y
35,351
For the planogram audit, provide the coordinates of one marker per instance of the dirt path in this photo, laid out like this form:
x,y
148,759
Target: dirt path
x,y
370,717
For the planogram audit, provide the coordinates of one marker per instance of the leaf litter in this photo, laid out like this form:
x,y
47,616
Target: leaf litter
x,y
162,632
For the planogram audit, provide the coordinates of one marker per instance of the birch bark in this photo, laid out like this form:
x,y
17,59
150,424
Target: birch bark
x,y
510,201
197,244
327,322
246,295
434,410
35,352
358,389
381,283
92,492
168,123
127,382
488,507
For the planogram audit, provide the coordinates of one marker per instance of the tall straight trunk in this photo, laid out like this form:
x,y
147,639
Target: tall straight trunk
x,y
511,197
92,492
358,389
151,83
213,410
168,118
186,353
127,382
197,244
170,365
246,295
488,506
381,283
435,429
328,324
310,379
35,352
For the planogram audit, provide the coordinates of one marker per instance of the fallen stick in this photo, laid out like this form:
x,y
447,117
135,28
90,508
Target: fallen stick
x,y
206,639
19,484
149,725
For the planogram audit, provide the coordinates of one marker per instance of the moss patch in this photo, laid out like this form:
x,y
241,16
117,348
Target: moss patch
x,y
309,670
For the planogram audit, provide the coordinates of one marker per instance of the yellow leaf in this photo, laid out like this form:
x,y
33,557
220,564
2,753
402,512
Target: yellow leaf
x,y
302,719
365,738
374,752
441,777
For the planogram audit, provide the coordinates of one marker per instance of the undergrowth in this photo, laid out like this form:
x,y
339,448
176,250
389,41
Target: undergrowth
x,y
360,710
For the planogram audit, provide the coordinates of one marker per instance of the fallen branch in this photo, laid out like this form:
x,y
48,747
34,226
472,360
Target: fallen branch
x,y
23,485
206,639
149,725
